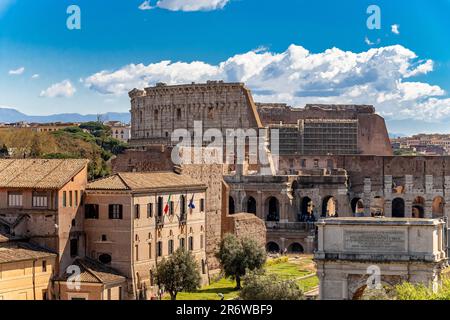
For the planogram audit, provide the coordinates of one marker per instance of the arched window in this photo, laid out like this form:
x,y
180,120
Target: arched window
x,y
357,207
251,205
105,258
377,207
273,247
438,207
329,207
418,208
398,208
307,210
231,205
273,212
296,248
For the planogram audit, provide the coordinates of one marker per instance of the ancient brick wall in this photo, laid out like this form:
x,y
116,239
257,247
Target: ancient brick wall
x,y
156,112
373,138
246,225
157,158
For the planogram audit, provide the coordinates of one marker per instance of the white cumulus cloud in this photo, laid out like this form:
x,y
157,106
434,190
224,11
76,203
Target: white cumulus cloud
x,y
35,76
185,5
395,28
59,90
379,76
17,72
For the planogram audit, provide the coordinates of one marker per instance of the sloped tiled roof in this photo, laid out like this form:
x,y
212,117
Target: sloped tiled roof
x,y
144,181
39,173
95,272
21,251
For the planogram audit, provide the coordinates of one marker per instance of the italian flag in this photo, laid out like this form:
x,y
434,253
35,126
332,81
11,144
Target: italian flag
x,y
166,208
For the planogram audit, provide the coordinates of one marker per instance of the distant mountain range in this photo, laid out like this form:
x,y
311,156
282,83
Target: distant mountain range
x,y
8,115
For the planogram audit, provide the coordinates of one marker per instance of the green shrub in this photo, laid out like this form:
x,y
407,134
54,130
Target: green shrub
x,y
259,286
275,261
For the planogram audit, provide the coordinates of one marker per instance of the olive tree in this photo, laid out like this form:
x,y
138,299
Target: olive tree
x,y
236,256
180,272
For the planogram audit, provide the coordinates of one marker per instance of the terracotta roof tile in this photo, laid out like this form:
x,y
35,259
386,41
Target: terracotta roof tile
x,y
95,272
144,181
38,173
20,251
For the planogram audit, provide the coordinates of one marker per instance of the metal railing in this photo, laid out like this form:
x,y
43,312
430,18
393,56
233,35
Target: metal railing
x,y
159,220
291,226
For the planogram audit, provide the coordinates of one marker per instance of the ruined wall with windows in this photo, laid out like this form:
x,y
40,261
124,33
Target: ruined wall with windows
x,y
327,129
157,111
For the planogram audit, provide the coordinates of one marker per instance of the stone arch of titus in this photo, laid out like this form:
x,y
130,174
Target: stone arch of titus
x,y
354,253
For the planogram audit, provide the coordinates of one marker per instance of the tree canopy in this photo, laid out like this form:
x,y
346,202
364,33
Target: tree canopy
x,y
178,273
260,286
236,256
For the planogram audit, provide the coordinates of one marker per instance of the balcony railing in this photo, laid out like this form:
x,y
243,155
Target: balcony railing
x,y
160,221
291,226
183,218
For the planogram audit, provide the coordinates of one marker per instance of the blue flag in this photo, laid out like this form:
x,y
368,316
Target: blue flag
x,y
191,203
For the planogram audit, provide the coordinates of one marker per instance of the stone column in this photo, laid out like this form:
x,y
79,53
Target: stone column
x,y
260,205
409,183
309,244
283,244
428,214
367,196
388,208
447,197
284,207
345,287
408,208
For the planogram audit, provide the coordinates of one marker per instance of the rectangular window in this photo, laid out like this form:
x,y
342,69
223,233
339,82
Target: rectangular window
x,y
40,200
182,243
201,241
149,250
150,210
303,163
170,246
171,209
64,199
15,199
70,199
160,206
73,247
183,205
120,293
191,243
91,211
159,249
115,212
109,294
202,205
316,163
44,266
136,252
137,211
76,198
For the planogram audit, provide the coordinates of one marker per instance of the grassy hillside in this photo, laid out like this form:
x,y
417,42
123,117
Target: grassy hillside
x,y
89,141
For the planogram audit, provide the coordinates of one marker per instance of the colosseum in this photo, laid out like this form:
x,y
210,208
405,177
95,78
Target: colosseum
x,y
334,161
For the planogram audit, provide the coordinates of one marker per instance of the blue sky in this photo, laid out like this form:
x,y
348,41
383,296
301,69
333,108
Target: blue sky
x,y
282,49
